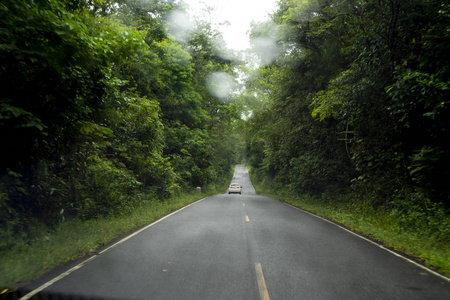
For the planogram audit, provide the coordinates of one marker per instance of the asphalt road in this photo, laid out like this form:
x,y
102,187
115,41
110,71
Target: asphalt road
x,y
247,247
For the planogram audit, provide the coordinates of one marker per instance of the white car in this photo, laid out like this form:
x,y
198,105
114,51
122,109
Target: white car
x,y
234,188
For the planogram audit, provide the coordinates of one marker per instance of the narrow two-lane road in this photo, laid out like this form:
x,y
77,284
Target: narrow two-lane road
x,y
246,247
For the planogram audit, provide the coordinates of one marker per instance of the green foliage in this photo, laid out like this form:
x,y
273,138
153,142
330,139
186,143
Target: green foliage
x,y
360,95
23,261
103,112
415,211
110,188
419,228
355,119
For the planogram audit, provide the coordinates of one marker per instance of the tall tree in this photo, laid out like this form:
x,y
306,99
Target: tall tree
x,y
375,73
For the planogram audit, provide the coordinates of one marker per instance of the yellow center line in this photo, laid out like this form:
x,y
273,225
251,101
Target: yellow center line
x,y
243,204
247,219
263,292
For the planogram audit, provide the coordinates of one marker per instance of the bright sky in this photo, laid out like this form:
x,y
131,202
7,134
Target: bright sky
x,y
240,13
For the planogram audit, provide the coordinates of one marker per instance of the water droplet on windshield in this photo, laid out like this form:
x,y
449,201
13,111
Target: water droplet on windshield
x,y
179,25
220,84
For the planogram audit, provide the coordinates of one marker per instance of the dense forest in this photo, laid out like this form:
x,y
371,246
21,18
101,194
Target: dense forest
x,y
355,106
104,106
354,112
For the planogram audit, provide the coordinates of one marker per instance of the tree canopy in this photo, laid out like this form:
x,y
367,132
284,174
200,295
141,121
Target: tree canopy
x,y
106,105
102,108
357,100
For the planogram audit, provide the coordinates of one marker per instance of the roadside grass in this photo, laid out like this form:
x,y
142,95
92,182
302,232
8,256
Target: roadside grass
x,y
28,260
380,225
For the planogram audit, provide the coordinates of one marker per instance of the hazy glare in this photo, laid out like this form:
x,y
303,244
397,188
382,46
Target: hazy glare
x,y
220,84
238,13
266,48
179,25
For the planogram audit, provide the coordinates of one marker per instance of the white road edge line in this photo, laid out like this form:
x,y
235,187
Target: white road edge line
x,y
376,244
61,276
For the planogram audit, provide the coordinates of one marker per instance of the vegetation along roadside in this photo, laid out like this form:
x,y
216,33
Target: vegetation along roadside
x,y
72,239
353,117
427,242
106,111
105,120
